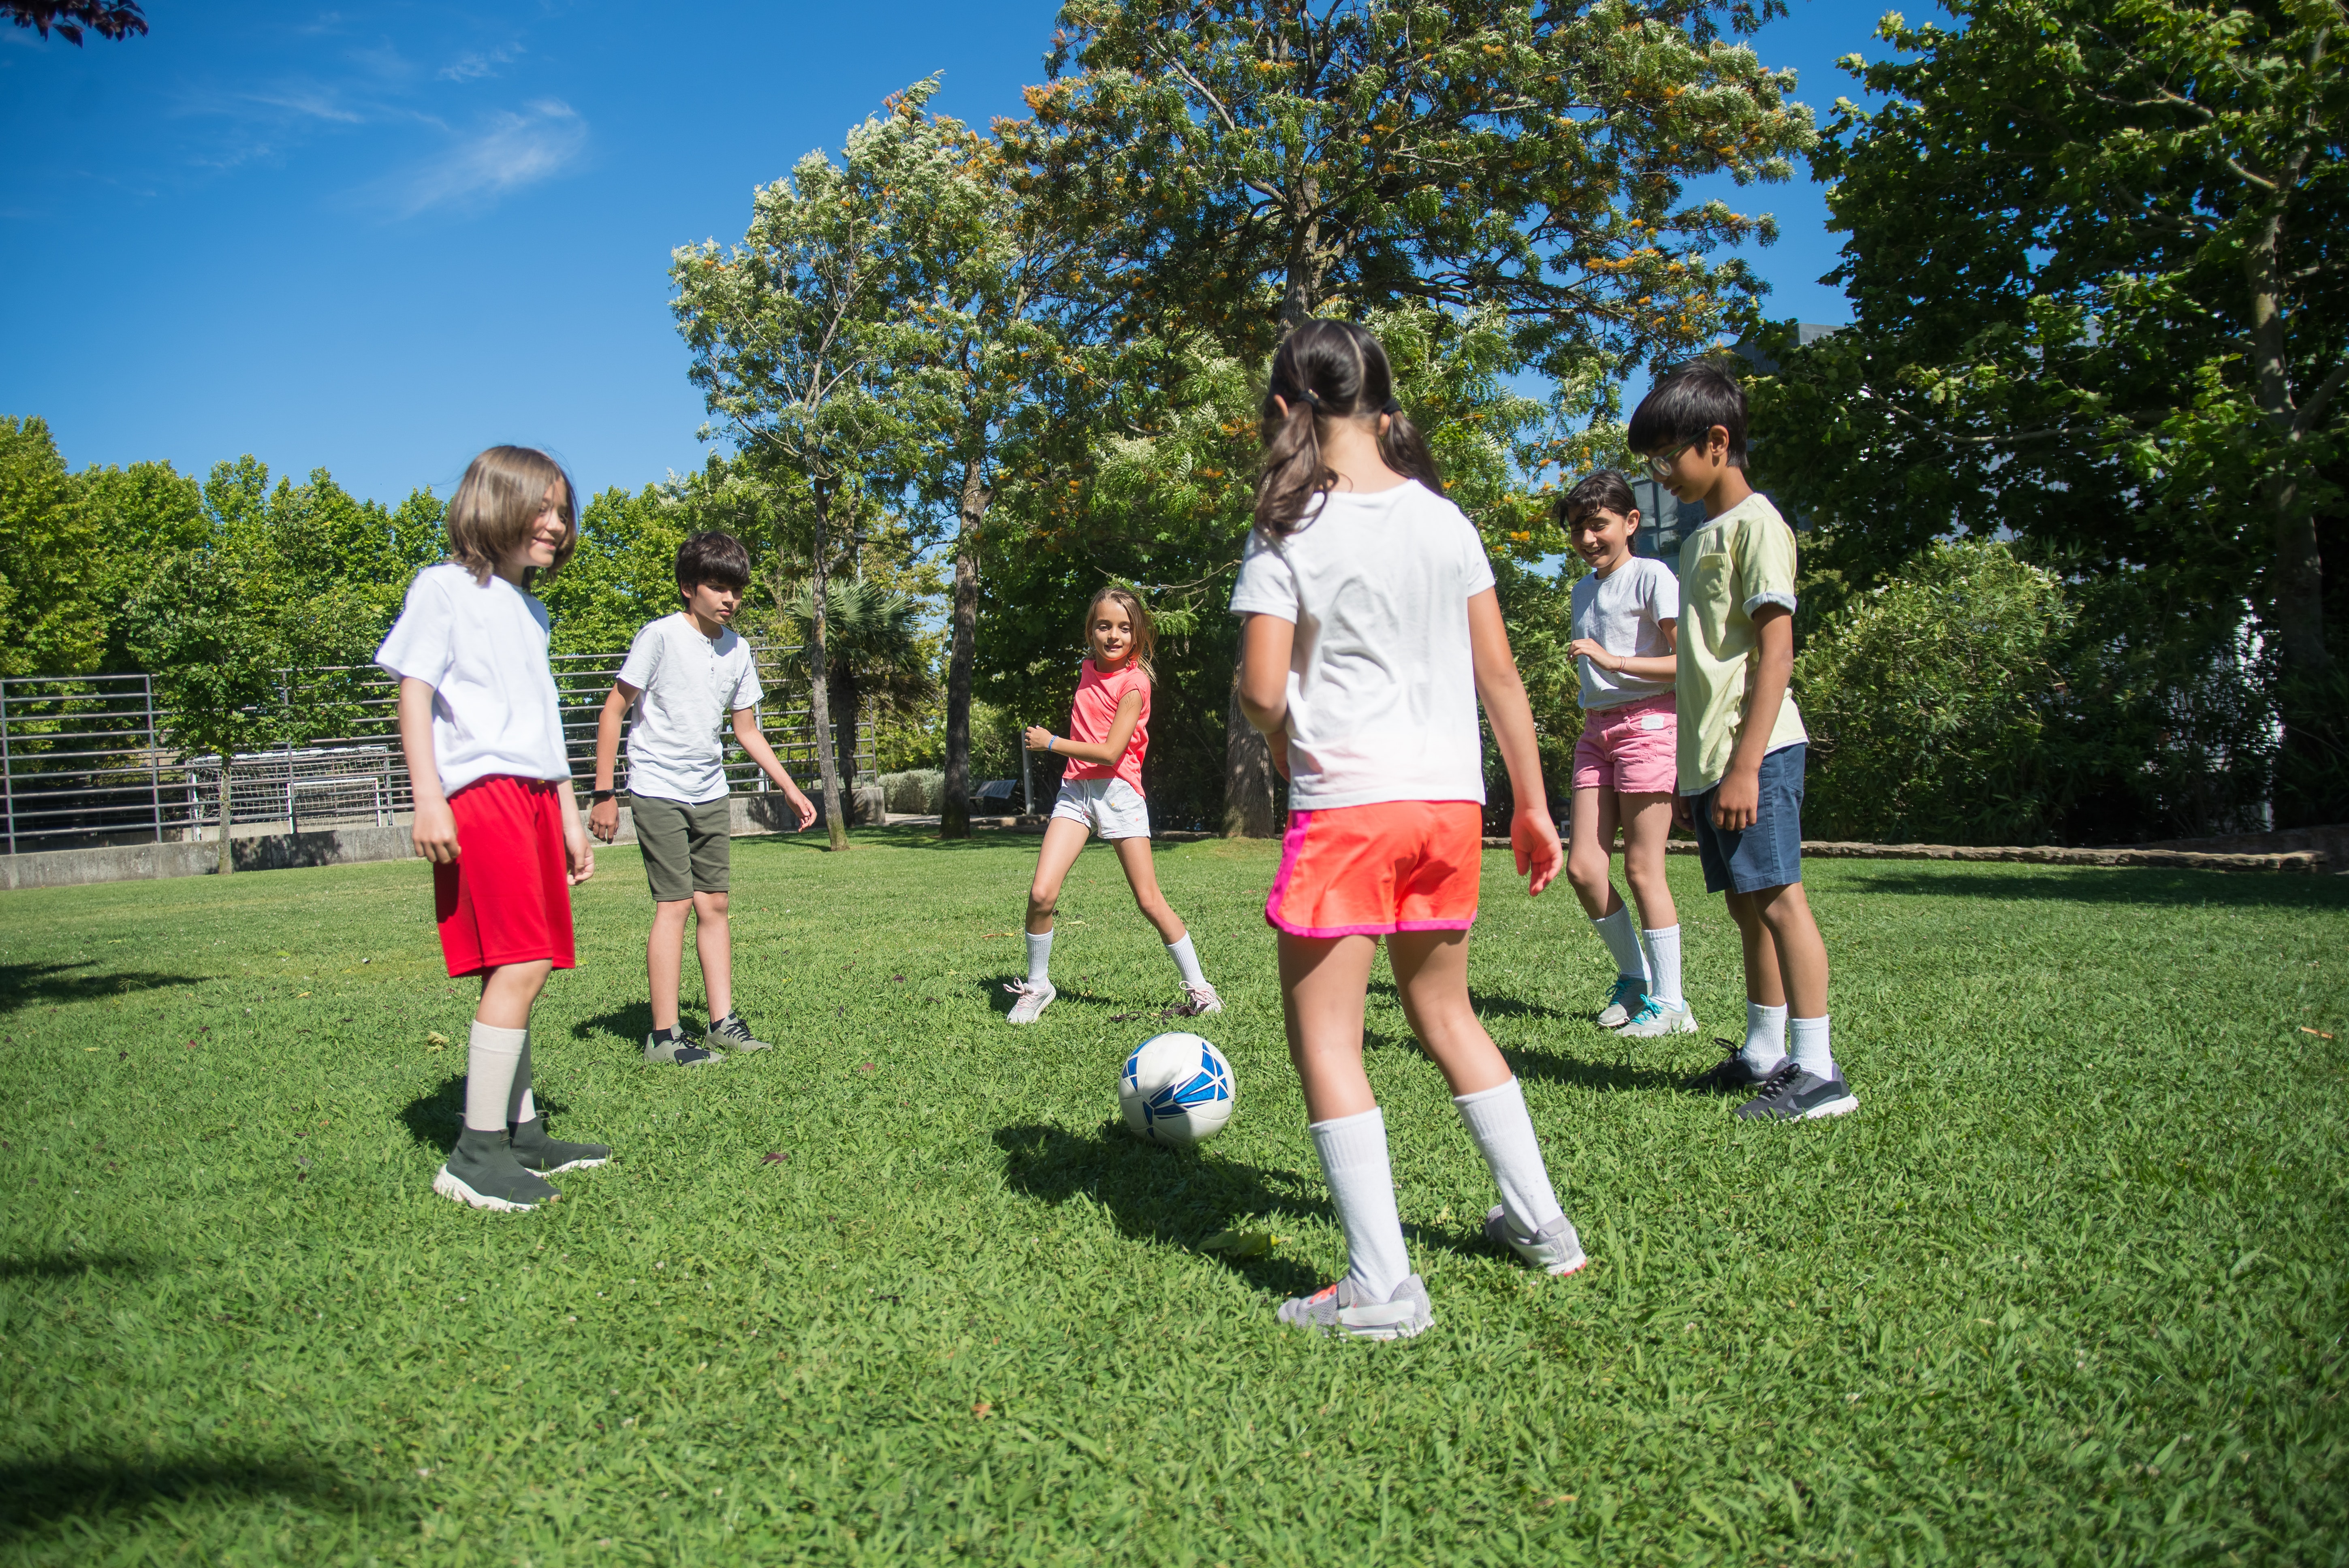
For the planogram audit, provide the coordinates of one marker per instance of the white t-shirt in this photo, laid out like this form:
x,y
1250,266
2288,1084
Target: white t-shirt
x,y
1624,612
481,647
1381,687
691,686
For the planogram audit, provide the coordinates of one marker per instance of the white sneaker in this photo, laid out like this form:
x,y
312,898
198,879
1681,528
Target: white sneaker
x,y
1035,995
1654,1018
1336,1308
1554,1249
1204,1000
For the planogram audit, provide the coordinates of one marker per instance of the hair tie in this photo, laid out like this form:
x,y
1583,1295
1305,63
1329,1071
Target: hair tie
x,y
1392,406
1289,394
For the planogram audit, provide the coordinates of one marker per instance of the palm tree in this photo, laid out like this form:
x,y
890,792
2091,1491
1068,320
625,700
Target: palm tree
x,y
873,643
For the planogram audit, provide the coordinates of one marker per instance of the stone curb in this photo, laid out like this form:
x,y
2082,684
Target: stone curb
x,y
2306,861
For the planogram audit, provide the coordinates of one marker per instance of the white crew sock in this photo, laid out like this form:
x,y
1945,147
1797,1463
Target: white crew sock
x,y
1664,963
1039,959
1497,1119
1765,1036
519,1106
491,1056
1622,939
1186,960
1353,1151
1811,1052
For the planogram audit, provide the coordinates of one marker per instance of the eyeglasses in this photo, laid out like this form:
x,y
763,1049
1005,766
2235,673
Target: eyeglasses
x,y
1662,466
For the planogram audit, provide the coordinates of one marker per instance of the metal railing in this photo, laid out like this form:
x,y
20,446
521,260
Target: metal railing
x,y
86,760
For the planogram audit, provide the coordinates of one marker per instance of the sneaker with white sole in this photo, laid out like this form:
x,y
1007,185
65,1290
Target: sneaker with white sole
x,y
483,1173
1035,995
534,1150
1793,1094
1203,999
1554,1249
1655,1019
732,1032
678,1051
1338,1307
1621,1002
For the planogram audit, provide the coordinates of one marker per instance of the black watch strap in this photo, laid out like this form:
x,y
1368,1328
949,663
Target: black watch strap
x,y
600,796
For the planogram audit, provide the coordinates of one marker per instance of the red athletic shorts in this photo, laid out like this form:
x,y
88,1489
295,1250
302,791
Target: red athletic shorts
x,y
508,898
1369,870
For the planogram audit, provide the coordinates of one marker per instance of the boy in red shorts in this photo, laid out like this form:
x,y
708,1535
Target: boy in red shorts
x,y
494,809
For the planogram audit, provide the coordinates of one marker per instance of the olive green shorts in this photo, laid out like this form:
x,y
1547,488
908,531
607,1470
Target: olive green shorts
x,y
686,847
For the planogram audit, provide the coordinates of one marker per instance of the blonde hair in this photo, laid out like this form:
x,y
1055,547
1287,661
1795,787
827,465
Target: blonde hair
x,y
1137,615
497,504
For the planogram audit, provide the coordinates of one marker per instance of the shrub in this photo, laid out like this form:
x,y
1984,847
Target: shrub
x,y
918,791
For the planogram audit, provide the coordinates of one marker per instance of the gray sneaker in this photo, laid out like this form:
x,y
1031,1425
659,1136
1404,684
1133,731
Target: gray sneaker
x,y
483,1173
1401,1316
534,1150
1035,995
1553,1249
1791,1094
1654,1018
730,1033
1629,992
680,1052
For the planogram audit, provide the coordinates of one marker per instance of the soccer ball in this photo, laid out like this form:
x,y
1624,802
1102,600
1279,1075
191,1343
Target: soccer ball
x,y
1175,1089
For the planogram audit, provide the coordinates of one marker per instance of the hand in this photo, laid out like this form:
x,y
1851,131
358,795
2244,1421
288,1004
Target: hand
x,y
1534,837
1589,648
1738,800
1278,746
1682,816
435,832
1039,738
579,853
799,803
604,820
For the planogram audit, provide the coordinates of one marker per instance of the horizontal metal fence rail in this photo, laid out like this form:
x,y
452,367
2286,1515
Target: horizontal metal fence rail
x,y
87,761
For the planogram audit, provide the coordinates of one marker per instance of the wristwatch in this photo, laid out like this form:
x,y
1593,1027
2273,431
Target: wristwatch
x,y
597,796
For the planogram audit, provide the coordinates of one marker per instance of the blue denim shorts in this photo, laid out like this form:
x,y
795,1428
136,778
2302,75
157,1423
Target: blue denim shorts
x,y
1770,852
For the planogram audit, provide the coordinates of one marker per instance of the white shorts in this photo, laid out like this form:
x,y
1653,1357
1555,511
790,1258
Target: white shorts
x,y
1110,806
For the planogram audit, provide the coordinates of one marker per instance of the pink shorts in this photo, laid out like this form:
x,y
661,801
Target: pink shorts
x,y
1371,870
1632,749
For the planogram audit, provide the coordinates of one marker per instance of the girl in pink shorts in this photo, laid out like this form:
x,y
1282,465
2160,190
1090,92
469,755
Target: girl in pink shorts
x,y
1626,633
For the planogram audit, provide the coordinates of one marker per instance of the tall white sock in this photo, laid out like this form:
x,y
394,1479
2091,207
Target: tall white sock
x,y
1039,959
1622,939
1353,1151
1664,963
1765,1036
1811,1052
490,1058
1497,1119
519,1106
1187,961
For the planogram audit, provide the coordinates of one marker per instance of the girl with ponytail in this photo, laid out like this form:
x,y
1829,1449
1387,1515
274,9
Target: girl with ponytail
x,y
1372,631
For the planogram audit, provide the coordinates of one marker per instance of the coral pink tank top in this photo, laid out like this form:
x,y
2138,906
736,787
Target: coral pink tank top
x,y
1094,714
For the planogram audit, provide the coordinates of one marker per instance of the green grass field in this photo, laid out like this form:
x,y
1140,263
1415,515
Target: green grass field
x,y
2070,1288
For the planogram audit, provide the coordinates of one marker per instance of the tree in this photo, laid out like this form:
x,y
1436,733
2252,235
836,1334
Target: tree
x,y
48,542
1249,166
2095,259
118,19
875,653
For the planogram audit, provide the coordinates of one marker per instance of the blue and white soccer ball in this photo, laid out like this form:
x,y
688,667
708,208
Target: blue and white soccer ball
x,y
1175,1089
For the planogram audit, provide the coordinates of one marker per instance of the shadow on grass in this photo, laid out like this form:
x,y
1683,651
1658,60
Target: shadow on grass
x,y
1158,1195
27,984
629,1023
1616,1078
74,1266
2113,885
35,1494
434,1118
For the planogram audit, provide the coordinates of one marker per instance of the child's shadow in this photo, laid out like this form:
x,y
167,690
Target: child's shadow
x,y
630,1023
435,1118
1617,1077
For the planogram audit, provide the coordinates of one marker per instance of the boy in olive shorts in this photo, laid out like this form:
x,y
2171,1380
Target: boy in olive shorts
x,y
685,674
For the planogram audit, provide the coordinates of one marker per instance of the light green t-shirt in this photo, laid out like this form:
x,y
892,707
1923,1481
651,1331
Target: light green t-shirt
x,y
1731,567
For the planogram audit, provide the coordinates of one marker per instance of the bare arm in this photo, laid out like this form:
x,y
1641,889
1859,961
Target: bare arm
x,y
576,847
1740,796
1121,731
435,829
747,732
1532,834
1268,643
1656,668
603,816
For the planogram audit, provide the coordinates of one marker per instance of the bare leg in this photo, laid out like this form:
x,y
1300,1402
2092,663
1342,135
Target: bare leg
x,y
1430,971
1063,840
1322,983
713,942
1142,876
1764,982
1784,914
1647,825
508,992
1590,833
665,959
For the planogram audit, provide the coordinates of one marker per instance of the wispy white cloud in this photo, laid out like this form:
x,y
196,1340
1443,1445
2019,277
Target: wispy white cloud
x,y
511,151
475,64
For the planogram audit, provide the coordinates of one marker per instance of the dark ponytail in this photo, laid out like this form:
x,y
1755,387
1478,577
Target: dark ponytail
x,y
1327,370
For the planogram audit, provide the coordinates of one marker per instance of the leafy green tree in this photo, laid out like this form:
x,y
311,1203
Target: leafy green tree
x,y
49,542
876,656
623,573
140,513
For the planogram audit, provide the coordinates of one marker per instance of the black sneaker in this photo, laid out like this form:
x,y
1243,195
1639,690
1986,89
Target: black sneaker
x,y
678,1050
1731,1075
732,1032
1798,1096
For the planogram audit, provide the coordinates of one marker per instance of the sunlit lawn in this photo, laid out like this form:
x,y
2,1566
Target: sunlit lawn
x,y
2070,1287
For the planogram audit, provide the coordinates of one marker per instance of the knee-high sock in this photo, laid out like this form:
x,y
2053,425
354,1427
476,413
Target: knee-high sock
x,y
1353,1151
492,1058
1039,959
1622,939
1186,960
519,1106
1503,1130
1664,945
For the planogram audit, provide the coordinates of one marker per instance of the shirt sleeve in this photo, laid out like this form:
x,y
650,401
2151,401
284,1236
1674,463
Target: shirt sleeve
x,y
1266,586
1663,593
643,657
419,645
1767,564
1476,566
747,690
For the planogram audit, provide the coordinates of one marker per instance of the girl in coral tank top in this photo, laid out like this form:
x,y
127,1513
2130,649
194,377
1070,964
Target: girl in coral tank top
x,y
1108,733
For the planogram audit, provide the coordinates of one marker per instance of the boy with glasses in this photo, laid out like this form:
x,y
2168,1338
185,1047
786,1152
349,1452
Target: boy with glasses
x,y
1741,745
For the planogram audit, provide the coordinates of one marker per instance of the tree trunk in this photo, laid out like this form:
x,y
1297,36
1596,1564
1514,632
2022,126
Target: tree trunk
x,y
1248,775
962,649
819,697
227,860
2297,585
849,707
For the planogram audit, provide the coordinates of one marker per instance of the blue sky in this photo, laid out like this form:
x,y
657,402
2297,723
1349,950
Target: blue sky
x,y
379,239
